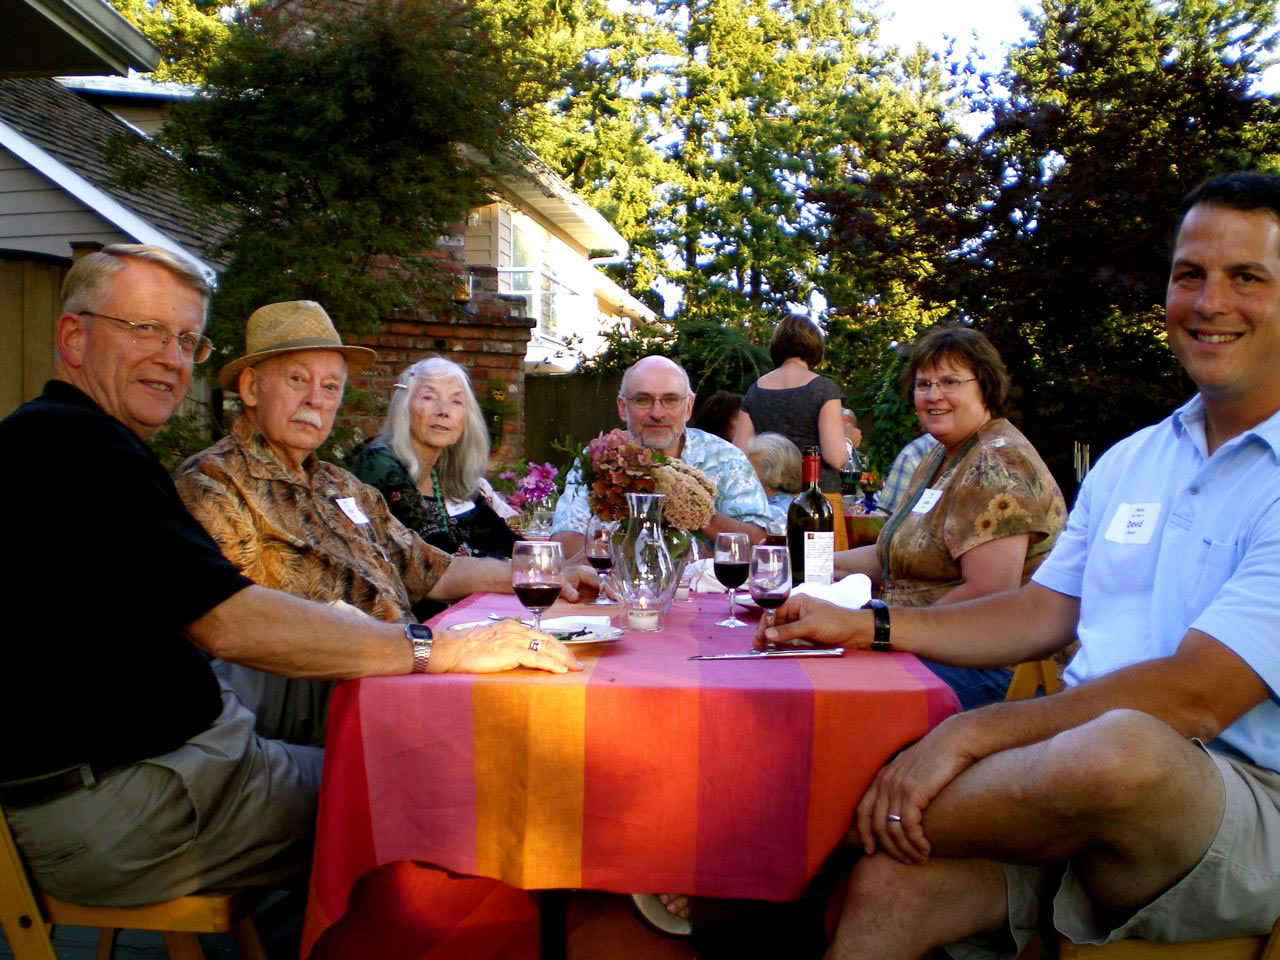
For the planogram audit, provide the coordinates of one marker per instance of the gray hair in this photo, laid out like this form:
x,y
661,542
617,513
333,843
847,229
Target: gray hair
x,y
779,461
86,284
460,466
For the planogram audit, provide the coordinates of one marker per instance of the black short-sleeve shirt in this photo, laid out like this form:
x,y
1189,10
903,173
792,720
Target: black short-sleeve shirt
x,y
105,568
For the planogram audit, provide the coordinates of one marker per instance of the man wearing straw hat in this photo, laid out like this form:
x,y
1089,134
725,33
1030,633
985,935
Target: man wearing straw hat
x,y
292,522
128,776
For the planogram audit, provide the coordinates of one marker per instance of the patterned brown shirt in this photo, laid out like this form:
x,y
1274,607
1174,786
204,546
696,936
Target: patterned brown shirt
x,y
289,531
1000,488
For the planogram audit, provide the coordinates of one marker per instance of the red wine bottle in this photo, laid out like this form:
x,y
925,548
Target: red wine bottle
x,y
811,526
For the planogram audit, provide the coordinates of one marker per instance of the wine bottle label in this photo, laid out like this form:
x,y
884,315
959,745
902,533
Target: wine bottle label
x,y
819,557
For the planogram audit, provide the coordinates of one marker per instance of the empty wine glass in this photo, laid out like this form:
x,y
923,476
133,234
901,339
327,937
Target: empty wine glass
x,y
537,575
730,564
598,548
769,579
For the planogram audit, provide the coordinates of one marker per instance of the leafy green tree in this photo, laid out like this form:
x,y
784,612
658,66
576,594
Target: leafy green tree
x,y
187,33
1050,229
696,127
337,145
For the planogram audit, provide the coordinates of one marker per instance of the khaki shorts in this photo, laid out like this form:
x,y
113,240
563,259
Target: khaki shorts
x,y
1234,891
225,808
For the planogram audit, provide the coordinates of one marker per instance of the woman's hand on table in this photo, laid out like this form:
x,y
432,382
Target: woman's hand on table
x,y
505,645
804,617
904,788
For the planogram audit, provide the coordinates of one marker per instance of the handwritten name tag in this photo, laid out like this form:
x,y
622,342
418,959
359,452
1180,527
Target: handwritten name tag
x,y
927,500
1133,523
352,509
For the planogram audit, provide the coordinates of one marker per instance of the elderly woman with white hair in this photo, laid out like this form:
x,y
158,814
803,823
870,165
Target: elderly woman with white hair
x,y
777,463
429,462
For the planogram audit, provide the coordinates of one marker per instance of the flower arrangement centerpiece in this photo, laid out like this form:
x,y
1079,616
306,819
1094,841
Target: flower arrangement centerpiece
x,y
528,487
616,464
662,500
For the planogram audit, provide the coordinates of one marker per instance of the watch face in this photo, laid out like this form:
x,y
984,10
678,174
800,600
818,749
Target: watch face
x,y
419,631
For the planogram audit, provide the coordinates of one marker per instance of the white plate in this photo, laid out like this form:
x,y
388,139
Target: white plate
x,y
598,634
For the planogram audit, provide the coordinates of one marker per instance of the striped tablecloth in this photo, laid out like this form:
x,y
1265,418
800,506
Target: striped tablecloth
x,y
646,772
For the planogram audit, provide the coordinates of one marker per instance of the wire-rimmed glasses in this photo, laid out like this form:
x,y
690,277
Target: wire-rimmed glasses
x,y
156,336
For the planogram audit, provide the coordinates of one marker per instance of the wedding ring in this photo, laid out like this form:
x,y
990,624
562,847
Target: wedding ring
x,y
894,818
535,643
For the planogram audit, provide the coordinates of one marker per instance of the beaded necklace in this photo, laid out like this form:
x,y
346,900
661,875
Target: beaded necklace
x,y
450,524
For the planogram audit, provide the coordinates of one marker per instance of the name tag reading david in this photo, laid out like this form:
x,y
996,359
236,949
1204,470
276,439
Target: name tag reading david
x,y
927,500
352,509
1133,523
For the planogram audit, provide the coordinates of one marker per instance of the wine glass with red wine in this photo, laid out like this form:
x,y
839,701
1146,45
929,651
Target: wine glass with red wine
x,y
731,563
770,579
537,575
599,554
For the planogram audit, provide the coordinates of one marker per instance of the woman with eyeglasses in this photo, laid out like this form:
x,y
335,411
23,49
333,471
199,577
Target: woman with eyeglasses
x,y
794,401
981,511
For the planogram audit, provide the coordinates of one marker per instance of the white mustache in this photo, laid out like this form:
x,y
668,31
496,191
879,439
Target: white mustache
x,y
308,416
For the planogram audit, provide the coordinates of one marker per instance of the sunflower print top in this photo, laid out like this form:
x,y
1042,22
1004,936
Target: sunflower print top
x,y
999,488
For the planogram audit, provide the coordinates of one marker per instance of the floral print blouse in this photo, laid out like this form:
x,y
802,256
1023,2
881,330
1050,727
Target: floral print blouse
x,y
999,488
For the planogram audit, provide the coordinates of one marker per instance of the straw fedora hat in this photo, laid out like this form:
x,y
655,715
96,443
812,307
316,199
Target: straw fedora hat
x,y
286,328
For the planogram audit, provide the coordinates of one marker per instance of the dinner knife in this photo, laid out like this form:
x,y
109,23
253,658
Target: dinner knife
x,y
770,654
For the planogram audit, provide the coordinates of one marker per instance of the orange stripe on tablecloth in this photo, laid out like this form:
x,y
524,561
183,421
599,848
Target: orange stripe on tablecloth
x,y
853,738
529,742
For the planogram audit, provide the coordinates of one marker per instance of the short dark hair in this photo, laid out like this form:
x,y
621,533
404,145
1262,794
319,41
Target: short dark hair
x,y
961,345
1240,190
717,411
796,336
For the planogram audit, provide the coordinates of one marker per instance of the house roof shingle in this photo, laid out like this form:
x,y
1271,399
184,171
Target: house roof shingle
x,y
95,144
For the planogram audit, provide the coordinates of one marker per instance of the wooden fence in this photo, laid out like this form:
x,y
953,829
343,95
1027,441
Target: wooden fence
x,y
567,409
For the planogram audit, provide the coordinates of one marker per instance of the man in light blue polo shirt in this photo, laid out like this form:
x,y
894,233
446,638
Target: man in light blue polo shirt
x,y
655,402
1097,812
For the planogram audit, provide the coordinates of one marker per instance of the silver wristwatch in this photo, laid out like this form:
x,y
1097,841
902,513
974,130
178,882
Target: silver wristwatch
x,y
420,636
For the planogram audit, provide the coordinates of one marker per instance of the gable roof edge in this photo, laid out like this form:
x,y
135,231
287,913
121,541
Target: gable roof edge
x,y
97,199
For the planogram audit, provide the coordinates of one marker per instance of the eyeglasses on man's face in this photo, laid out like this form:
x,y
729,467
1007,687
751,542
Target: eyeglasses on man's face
x,y
668,401
155,336
947,385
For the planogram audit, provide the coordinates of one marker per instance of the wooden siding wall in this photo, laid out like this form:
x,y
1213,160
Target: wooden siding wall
x,y
573,408
28,304
37,215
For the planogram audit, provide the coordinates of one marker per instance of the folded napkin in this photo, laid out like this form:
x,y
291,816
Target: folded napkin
x,y
851,592
702,579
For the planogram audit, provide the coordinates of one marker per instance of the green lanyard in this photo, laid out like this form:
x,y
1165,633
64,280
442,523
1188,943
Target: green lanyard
x,y
900,515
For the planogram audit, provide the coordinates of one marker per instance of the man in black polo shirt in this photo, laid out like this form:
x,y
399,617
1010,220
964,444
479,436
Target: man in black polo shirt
x,y
128,775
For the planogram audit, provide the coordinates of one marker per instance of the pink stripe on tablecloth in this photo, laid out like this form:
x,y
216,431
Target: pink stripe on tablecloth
x,y
751,713
420,814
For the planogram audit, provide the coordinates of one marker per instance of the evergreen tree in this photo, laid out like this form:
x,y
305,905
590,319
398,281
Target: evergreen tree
x,y
1055,235
338,145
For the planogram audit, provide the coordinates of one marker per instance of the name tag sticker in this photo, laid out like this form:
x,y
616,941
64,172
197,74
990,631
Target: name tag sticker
x,y
1133,523
927,500
352,509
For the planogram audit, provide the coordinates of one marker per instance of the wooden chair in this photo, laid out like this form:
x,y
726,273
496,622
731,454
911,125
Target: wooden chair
x,y
1237,948
1031,676
28,916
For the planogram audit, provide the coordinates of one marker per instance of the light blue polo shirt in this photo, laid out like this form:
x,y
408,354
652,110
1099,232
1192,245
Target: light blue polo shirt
x,y
1164,539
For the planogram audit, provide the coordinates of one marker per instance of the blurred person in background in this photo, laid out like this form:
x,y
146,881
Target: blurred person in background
x,y
794,401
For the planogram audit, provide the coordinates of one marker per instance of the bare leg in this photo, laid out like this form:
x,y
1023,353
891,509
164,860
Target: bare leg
x,y
897,911
1133,803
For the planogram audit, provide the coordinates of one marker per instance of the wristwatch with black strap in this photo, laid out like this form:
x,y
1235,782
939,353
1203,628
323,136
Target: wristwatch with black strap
x,y
880,612
421,637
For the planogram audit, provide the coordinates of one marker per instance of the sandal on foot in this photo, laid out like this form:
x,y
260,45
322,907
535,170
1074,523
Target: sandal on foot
x,y
656,917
